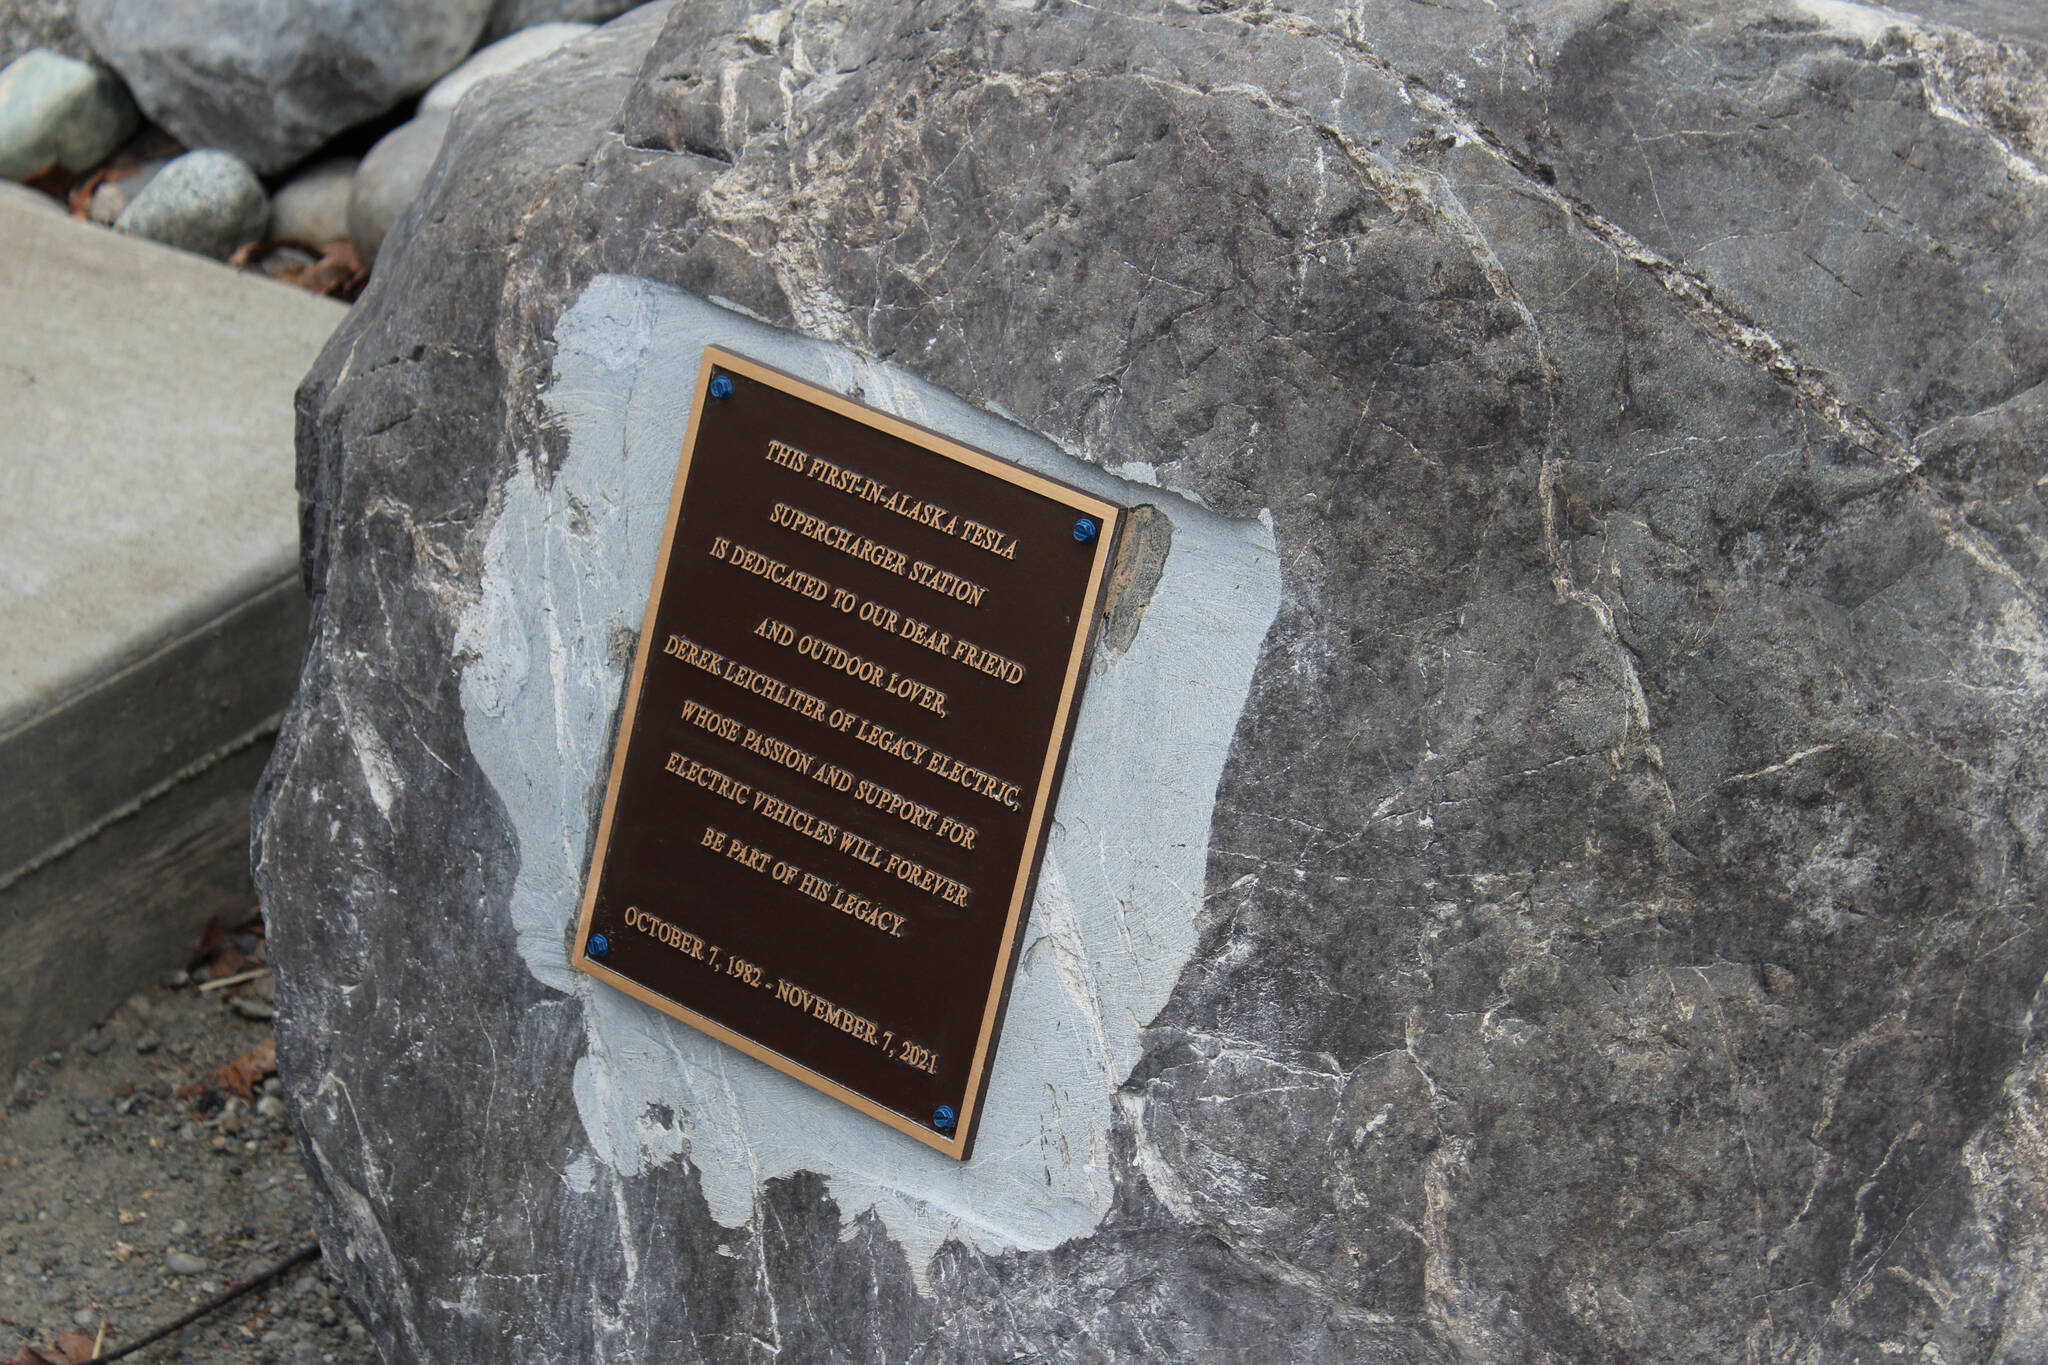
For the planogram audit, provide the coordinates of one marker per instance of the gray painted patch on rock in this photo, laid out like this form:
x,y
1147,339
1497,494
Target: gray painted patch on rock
x,y
567,567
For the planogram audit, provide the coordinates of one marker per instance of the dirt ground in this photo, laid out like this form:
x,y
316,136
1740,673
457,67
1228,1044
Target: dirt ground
x,y
135,1184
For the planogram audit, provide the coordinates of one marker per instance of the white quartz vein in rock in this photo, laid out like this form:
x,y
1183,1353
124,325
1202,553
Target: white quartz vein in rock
x,y
567,565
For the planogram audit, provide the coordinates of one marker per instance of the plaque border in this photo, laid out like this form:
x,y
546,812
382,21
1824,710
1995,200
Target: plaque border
x,y
959,1144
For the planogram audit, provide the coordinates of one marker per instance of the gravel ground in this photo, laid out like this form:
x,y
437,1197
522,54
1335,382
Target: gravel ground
x,y
134,1185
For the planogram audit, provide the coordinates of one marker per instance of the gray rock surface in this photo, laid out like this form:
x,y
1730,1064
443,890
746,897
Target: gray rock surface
x,y
507,54
271,80
509,16
205,201
390,178
2022,19
58,111
1622,927
53,24
313,205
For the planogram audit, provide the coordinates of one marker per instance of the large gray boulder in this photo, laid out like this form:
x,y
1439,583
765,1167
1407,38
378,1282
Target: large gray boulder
x,y
1552,867
26,24
270,80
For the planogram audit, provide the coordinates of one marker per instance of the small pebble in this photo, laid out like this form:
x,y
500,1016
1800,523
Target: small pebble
x,y
389,180
86,1317
507,54
57,110
148,1043
270,1107
313,205
110,198
97,1042
250,1007
205,201
183,1263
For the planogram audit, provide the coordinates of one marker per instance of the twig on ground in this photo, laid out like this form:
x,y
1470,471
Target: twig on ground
x,y
309,1252
237,979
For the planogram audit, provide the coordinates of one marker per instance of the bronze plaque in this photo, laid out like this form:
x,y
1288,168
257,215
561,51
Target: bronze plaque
x,y
841,743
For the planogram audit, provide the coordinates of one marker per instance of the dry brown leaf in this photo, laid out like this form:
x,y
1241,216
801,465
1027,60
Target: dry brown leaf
x,y
226,962
246,1072
209,944
338,274
71,1349
333,271
54,181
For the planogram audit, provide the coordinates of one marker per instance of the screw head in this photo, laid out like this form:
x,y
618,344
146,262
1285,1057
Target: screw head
x,y
721,386
943,1118
1084,530
599,945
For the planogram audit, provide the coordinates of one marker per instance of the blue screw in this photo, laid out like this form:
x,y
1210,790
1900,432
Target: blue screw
x,y
599,945
721,386
1084,530
942,1118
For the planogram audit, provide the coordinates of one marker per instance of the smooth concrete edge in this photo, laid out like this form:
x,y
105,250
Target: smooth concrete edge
x,y
153,724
